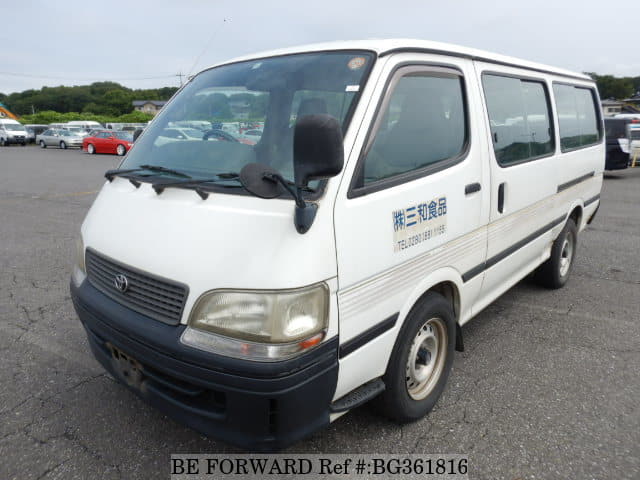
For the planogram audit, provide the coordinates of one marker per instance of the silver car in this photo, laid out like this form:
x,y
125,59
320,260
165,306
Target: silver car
x,y
59,138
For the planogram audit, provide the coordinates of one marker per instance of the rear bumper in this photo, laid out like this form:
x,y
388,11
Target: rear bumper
x,y
257,406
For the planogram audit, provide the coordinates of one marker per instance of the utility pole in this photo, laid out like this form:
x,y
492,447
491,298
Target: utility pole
x,y
179,74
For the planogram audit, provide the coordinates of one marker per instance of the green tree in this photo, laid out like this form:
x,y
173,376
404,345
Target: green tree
x,y
614,87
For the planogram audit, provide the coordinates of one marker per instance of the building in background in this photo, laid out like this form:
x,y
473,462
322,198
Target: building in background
x,y
148,106
610,107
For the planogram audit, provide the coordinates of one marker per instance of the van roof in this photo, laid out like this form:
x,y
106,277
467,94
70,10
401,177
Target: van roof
x,y
387,46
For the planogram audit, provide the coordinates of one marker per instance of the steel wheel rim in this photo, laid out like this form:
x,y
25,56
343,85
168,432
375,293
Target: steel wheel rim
x,y
426,359
120,150
566,255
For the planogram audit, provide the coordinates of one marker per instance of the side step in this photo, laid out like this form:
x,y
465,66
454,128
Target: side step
x,y
357,397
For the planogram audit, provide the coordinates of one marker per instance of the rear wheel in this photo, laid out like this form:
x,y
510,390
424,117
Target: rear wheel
x,y
420,362
91,149
554,273
121,150
63,145
42,144
3,142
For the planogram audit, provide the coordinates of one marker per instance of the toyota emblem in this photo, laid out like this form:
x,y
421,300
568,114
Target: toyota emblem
x,y
121,283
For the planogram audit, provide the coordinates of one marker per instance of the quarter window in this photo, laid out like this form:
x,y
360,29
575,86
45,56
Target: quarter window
x,y
577,116
423,124
519,118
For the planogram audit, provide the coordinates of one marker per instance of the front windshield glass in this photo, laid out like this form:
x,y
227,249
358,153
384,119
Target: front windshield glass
x,y
14,127
245,112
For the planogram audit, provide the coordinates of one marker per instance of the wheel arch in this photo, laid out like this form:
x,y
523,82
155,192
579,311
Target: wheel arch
x,y
446,282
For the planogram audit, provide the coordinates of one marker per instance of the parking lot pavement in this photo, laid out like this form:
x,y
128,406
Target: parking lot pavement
x,y
547,388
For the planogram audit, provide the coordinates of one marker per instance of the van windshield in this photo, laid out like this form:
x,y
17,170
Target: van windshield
x,y
13,127
246,112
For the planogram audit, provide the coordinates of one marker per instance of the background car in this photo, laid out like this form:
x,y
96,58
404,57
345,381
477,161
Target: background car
x,y
58,138
169,135
79,131
107,141
617,156
33,130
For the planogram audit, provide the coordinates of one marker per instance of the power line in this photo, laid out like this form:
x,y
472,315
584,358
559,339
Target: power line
x,y
49,77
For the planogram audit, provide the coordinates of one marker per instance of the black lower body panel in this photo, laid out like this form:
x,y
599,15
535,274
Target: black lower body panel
x,y
257,406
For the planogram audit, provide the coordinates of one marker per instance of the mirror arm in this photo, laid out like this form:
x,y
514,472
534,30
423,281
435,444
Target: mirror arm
x,y
296,194
305,212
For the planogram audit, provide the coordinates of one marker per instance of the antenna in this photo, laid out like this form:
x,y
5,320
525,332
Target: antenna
x,y
206,47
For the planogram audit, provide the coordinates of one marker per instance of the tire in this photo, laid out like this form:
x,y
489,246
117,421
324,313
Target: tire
x,y
42,144
555,272
23,144
413,386
3,142
91,149
121,150
63,145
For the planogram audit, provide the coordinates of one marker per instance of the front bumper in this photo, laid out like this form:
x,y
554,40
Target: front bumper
x,y
17,140
257,406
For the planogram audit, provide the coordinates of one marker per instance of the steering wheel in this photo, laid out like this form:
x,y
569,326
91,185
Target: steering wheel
x,y
220,135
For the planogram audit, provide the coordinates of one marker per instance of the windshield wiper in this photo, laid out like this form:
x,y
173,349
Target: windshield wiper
x,y
160,186
109,174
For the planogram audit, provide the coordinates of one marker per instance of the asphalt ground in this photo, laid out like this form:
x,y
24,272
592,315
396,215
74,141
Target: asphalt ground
x,y
547,388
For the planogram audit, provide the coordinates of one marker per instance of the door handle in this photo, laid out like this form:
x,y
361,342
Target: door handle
x,y
501,198
472,188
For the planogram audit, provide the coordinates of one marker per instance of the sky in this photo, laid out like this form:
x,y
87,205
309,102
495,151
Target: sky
x,y
146,44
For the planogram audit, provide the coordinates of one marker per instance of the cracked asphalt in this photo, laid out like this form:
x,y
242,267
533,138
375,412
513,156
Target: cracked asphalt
x,y
548,387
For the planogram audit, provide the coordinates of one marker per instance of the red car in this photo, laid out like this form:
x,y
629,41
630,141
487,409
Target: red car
x,y
106,141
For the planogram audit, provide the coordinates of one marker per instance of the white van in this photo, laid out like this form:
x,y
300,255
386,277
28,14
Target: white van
x,y
85,124
12,131
259,292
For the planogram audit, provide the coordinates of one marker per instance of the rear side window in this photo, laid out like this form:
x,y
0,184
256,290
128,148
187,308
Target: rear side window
x,y
519,116
423,124
577,116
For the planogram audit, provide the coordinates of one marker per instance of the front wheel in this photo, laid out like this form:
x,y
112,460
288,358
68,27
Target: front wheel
x,y
121,150
421,360
42,144
554,273
63,145
3,142
91,149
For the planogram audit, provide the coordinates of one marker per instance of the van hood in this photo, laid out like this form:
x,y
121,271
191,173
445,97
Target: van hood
x,y
226,241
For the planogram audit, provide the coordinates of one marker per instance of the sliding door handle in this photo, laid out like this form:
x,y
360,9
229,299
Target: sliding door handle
x,y
472,188
501,198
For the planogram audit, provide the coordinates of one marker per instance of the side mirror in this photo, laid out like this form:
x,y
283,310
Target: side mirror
x,y
318,152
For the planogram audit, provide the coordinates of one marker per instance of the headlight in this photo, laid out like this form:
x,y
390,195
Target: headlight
x,y
259,325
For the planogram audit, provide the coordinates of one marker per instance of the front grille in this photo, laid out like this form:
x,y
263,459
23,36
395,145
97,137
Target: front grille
x,y
155,297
